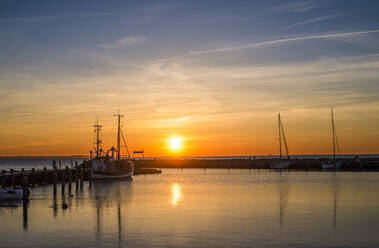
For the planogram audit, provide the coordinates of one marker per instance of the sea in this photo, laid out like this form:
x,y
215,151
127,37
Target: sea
x,y
198,208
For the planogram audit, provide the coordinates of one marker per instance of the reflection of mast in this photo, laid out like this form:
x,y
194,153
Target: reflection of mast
x,y
119,223
283,195
335,198
98,220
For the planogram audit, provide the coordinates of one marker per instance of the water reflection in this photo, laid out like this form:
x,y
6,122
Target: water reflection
x,y
284,186
176,194
106,195
335,198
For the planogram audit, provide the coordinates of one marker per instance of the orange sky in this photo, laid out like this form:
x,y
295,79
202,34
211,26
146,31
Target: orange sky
x,y
216,75
249,133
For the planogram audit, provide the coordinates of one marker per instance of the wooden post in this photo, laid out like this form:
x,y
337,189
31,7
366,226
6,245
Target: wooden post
x,y
63,181
54,164
76,175
33,177
25,199
89,170
76,163
25,189
72,163
81,177
55,179
60,164
69,181
12,178
3,180
45,178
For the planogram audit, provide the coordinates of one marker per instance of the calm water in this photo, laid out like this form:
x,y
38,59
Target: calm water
x,y
204,208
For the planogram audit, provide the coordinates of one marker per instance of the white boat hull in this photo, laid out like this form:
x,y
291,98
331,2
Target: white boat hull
x,y
11,194
280,165
331,166
96,176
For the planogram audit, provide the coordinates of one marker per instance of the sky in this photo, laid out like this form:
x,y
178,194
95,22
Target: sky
x,y
214,73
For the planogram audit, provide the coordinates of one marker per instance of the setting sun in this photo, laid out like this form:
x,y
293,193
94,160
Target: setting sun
x,y
175,143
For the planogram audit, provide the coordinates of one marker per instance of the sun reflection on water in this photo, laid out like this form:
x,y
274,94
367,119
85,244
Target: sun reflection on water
x,y
176,194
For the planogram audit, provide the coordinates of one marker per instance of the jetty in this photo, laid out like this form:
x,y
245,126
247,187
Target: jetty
x,y
74,174
296,164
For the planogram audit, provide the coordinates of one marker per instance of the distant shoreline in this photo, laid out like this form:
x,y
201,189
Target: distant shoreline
x,y
298,156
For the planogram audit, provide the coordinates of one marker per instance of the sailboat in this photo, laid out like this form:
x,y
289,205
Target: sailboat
x,y
332,164
281,164
105,166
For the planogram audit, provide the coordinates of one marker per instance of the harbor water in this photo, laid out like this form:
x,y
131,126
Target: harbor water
x,y
203,208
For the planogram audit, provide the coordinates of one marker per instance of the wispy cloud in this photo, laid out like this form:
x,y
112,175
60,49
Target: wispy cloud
x,y
298,6
58,16
313,20
124,42
281,41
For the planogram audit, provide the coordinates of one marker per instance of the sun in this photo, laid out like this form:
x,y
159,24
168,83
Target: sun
x,y
175,143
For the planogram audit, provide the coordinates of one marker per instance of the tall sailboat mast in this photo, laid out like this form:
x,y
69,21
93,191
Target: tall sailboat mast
x,y
280,137
334,134
97,127
119,116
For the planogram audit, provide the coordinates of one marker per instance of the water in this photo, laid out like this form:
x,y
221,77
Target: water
x,y
204,208
18,163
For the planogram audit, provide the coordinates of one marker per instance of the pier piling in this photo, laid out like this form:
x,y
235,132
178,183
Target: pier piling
x,y
81,171
12,178
69,181
33,177
63,181
45,178
3,180
55,179
76,178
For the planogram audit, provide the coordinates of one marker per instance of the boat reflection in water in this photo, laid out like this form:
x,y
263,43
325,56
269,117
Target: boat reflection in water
x,y
107,195
284,186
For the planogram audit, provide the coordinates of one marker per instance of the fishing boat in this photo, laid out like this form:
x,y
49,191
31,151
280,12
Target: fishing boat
x,y
282,164
333,164
105,166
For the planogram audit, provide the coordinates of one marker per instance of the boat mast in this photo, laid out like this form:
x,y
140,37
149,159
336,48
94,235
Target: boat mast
x,y
284,140
119,116
280,138
334,135
97,127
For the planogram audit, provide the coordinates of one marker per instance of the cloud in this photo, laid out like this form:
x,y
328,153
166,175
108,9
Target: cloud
x,y
124,42
59,16
281,41
298,6
313,20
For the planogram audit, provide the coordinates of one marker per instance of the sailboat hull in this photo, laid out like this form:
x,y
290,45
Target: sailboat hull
x,y
331,166
280,165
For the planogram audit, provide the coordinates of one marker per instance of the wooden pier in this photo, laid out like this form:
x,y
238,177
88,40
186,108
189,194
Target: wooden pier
x,y
67,175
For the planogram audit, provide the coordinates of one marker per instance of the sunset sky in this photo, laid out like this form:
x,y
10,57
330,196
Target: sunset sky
x,y
213,73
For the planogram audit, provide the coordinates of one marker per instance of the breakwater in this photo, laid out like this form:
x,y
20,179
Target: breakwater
x,y
371,164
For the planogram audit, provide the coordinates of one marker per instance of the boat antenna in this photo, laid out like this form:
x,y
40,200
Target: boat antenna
x,y
119,116
98,127
284,139
334,134
127,150
280,137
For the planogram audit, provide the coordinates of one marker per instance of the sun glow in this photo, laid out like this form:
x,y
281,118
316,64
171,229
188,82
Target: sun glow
x,y
176,194
175,143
